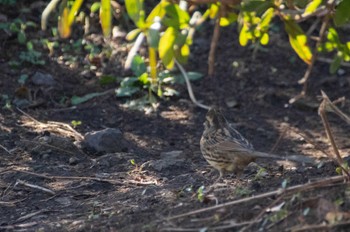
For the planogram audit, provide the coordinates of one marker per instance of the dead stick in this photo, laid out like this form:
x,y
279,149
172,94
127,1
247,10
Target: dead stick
x,y
302,187
214,42
323,115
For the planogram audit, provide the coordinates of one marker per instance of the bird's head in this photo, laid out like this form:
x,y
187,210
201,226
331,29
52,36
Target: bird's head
x,y
214,119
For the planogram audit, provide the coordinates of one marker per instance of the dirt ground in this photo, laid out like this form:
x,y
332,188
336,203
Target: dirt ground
x,y
160,181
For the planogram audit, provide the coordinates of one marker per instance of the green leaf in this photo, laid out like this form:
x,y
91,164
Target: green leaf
x,y
138,66
342,15
129,81
335,64
333,37
136,12
144,79
312,6
75,100
153,38
158,11
257,6
95,7
192,76
298,40
176,17
166,50
126,91
22,79
106,80
21,37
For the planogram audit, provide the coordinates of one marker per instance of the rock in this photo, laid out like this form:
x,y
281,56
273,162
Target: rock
x,y
73,161
43,79
168,161
107,140
231,102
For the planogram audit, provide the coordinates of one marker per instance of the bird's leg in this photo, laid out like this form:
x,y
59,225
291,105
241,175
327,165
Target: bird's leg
x,y
220,176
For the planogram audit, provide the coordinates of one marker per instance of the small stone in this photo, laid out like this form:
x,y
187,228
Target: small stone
x,y
107,140
43,79
73,161
231,102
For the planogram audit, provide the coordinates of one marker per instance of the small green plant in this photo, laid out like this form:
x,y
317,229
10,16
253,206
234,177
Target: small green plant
x,y
31,55
76,123
142,82
18,27
201,194
241,191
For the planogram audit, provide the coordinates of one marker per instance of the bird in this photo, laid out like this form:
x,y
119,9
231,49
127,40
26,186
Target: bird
x,y
227,150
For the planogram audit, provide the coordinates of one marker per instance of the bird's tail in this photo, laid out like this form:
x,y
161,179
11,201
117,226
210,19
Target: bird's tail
x,y
296,158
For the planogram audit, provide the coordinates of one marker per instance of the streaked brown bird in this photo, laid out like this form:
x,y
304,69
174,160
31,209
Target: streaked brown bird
x,y
226,149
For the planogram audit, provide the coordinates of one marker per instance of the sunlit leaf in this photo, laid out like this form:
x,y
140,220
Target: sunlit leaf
x,y
264,40
333,37
213,10
136,12
158,11
175,17
106,17
166,50
312,6
342,15
182,54
229,19
143,78
244,36
266,18
73,11
298,40
95,7
63,25
133,34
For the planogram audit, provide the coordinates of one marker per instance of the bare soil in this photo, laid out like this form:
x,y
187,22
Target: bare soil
x,y
56,188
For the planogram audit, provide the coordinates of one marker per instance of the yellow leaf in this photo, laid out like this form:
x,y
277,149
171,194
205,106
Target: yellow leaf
x,y
132,34
106,17
243,36
166,49
73,11
63,25
214,8
298,40
264,39
312,6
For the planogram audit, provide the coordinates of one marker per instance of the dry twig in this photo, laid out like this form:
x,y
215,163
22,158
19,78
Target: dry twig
x,y
287,191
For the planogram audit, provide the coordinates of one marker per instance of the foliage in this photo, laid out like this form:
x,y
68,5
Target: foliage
x,y
135,85
30,55
169,29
